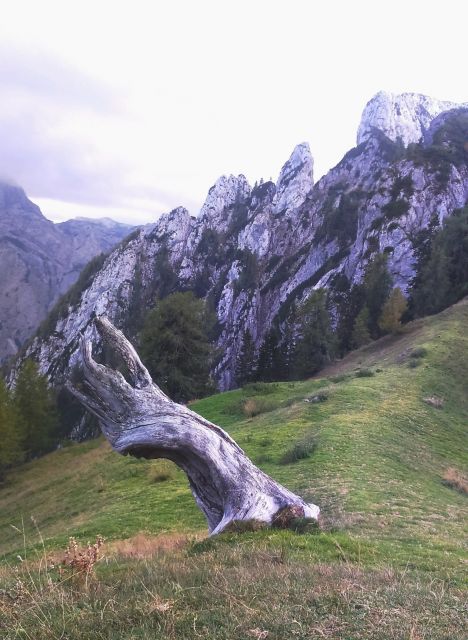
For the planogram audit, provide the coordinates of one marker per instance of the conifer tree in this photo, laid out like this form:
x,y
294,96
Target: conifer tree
x,y
288,342
246,360
10,437
315,341
175,346
377,285
270,365
392,312
36,408
361,334
432,292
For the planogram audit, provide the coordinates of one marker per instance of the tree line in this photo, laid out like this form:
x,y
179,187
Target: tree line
x,y
309,338
176,341
29,422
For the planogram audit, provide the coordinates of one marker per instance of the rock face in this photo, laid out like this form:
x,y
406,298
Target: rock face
x,y
39,260
254,251
406,116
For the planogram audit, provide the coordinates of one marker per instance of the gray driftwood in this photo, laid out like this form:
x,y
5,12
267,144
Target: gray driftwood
x,y
139,419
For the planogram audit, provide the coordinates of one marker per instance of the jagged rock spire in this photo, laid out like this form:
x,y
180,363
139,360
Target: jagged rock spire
x,y
295,179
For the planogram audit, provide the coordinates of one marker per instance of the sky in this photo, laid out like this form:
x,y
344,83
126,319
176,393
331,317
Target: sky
x,y
129,109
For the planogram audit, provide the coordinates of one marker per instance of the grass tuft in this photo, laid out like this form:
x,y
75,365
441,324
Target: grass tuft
x,y
456,480
301,449
161,471
255,406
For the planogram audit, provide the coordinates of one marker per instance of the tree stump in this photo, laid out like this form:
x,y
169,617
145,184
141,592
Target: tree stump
x,y
138,419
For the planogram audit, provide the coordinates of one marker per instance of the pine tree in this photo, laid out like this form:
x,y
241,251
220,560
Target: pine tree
x,y
315,342
10,437
361,334
36,408
288,342
392,312
377,285
246,360
432,294
175,346
270,365
349,303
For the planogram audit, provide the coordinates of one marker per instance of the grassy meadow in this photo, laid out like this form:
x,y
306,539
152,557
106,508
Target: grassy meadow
x,y
379,441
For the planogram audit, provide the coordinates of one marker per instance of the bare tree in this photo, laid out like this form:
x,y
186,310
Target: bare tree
x,y
140,420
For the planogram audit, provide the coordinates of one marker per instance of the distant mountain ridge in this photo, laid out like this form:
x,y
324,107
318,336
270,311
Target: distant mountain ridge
x,y
40,260
253,251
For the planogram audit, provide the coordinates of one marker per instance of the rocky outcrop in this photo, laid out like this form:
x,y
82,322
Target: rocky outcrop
x,y
254,251
39,260
405,116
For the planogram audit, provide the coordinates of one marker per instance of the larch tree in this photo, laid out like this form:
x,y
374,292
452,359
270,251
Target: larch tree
x,y
392,312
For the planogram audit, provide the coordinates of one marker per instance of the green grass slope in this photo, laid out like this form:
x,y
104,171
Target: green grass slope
x,y
378,444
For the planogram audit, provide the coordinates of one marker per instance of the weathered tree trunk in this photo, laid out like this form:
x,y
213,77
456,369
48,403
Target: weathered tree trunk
x,y
139,419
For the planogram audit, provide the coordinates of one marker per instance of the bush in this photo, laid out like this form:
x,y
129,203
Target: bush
x,y
364,373
419,352
301,449
413,364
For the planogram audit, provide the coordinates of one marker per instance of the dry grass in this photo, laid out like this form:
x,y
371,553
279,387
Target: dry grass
x,y
221,594
456,480
144,546
255,406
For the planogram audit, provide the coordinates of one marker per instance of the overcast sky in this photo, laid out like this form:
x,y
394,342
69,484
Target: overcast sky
x,y
128,109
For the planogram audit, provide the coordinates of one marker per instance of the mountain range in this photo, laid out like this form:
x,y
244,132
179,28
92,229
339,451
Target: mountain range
x,y
40,260
254,250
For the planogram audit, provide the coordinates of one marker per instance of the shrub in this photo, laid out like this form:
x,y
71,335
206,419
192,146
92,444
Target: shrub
x,y
79,561
413,364
419,352
455,480
364,373
301,449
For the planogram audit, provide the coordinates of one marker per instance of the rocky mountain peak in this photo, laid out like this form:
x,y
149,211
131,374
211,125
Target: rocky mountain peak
x,y
13,200
225,192
406,116
295,179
